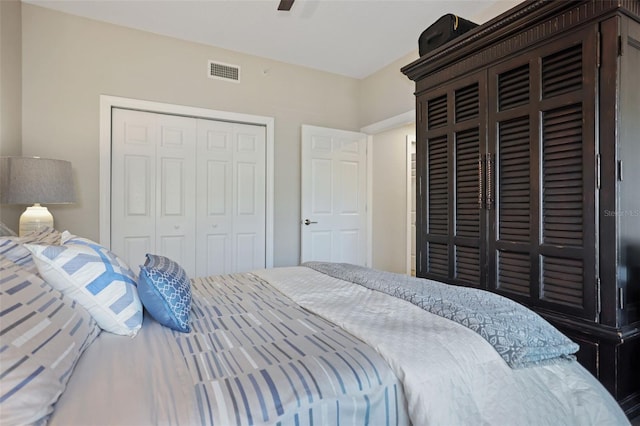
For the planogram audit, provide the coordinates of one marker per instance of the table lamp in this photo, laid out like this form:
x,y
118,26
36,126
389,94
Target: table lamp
x,y
35,180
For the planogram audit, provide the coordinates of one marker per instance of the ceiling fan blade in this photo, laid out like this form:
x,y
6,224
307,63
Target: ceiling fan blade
x,y
285,4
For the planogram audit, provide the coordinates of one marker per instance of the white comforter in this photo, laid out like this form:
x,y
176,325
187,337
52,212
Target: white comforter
x,y
451,375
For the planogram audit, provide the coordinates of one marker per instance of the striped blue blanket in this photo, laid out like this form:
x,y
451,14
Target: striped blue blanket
x,y
519,335
256,357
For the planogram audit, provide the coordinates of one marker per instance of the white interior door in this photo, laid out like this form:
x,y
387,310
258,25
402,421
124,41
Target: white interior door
x,y
334,195
231,197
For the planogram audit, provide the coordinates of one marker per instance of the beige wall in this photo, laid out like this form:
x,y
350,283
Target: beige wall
x,y
68,62
390,199
10,92
388,92
10,77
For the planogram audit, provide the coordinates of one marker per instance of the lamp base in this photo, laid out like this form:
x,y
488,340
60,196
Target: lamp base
x,y
35,218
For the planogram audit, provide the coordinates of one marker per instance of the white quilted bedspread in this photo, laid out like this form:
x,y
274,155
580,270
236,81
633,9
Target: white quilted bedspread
x,y
451,375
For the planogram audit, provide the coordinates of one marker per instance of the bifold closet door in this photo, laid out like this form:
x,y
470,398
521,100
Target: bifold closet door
x,y
231,197
190,189
153,187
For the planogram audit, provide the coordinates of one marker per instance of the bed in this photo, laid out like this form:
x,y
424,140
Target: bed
x,y
319,343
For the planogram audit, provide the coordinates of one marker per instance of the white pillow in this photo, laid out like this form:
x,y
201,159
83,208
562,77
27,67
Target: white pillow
x,y
94,277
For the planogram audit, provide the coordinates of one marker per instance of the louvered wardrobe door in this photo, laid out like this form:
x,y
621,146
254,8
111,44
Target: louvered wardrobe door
x,y
451,140
509,164
468,215
432,207
543,146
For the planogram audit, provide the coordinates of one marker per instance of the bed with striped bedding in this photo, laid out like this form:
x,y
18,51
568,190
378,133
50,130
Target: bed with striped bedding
x,y
296,346
253,356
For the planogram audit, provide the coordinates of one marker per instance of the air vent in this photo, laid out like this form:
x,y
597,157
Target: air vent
x,y
226,72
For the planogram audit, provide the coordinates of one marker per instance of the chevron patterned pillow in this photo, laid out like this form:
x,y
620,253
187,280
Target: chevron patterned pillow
x,y
96,278
165,291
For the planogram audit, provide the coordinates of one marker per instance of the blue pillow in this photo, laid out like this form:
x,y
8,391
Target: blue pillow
x,y
165,292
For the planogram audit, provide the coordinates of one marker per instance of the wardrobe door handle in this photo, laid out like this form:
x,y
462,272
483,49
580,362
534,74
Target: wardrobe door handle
x,y
489,181
480,183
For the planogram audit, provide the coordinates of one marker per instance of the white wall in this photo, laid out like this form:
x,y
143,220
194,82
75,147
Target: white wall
x,y
390,199
68,62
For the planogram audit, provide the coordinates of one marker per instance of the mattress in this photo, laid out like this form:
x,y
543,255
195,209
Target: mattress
x,y
295,346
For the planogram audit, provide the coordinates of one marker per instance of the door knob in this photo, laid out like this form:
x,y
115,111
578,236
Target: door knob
x,y
308,222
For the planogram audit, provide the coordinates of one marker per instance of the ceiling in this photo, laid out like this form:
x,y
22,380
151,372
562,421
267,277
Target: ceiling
x,y
354,38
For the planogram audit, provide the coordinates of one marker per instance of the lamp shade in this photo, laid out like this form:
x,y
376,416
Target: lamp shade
x,y
29,180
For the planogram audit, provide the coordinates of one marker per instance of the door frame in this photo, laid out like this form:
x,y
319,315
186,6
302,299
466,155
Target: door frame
x,y
411,149
108,102
371,130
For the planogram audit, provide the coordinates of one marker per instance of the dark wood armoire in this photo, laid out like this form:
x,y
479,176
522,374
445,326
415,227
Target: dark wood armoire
x,y
528,172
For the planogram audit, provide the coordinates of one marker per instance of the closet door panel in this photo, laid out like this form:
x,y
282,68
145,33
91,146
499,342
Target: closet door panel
x,y
133,172
469,146
231,197
437,185
450,192
214,203
542,229
562,263
175,190
249,197
510,170
566,253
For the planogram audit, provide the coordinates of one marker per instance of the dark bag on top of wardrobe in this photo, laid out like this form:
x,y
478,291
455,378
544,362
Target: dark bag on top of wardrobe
x,y
444,29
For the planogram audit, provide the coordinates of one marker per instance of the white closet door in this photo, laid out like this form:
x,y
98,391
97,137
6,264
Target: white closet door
x,y
153,187
176,190
231,199
133,185
193,190
249,198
